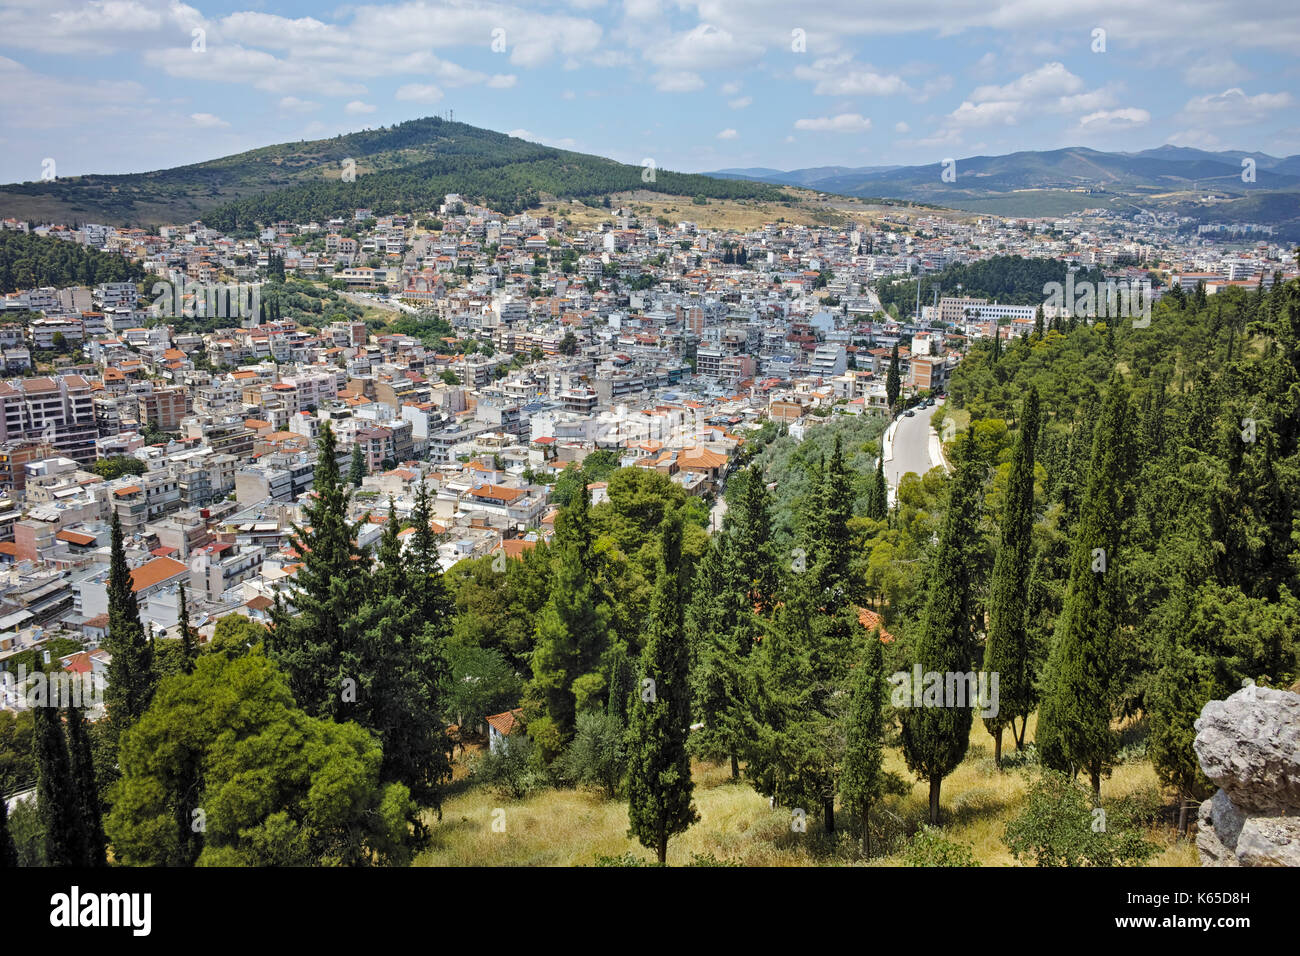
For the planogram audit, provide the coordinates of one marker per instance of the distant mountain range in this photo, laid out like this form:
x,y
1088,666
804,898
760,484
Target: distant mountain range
x,y
1060,181
404,168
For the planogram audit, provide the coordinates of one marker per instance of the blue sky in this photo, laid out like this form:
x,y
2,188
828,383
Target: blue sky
x,y
127,85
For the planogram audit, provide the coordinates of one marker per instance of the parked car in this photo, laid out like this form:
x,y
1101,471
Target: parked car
x,y
910,413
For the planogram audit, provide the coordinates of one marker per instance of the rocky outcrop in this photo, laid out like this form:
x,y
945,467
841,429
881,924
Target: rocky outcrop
x,y
1249,746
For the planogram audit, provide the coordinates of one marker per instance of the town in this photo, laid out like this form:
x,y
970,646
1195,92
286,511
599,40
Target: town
x,y
473,353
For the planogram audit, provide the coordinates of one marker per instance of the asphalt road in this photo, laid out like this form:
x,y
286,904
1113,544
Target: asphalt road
x,y
912,448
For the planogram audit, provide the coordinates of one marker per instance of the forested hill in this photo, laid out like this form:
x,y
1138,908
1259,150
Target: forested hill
x,y
406,168
1165,564
28,262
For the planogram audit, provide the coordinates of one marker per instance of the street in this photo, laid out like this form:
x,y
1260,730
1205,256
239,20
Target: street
x,y
912,448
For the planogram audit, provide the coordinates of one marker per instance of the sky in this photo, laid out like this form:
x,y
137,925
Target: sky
x,y
118,86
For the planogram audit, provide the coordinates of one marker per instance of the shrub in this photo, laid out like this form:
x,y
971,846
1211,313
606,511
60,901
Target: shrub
x,y
929,847
1060,826
597,756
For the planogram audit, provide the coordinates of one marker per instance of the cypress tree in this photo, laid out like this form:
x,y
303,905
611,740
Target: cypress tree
x,y
659,770
1006,650
892,382
189,643
863,780
936,734
1074,731
834,550
56,795
878,493
329,589
1038,323
357,468
130,671
82,769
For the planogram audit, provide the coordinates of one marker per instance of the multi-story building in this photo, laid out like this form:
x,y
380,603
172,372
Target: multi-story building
x,y
164,407
59,411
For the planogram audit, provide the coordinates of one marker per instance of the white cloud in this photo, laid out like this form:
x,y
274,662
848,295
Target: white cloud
x,y
1235,107
502,81
419,93
356,107
901,127
842,123
296,105
667,81
740,102
704,48
207,121
728,134
730,88
840,76
1113,121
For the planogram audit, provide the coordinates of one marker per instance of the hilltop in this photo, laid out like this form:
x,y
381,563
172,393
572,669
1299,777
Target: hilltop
x,y
401,168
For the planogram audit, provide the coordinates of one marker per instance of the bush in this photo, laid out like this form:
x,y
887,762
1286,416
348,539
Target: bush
x,y
929,847
1060,826
510,770
597,756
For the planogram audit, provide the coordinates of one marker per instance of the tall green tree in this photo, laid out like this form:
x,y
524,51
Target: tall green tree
x,y
56,794
329,588
864,780
1074,722
130,671
400,659
936,734
659,769
82,769
893,384
878,493
189,640
357,467
572,627
1006,649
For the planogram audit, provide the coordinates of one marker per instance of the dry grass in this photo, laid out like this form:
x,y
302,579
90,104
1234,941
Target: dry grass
x,y
572,827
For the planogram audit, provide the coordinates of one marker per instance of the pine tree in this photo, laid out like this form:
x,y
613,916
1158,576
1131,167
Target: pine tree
x,y
863,780
936,734
130,671
399,659
892,382
357,468
749,529
329,589
659,770
1074,731
834,550
718,637
82,769
1006,650
56,795
189,642
571,627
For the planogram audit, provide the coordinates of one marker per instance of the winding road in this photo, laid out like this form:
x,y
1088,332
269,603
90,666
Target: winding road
x,y
914,447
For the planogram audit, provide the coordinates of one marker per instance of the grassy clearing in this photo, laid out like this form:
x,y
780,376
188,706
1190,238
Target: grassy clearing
x,y
572,827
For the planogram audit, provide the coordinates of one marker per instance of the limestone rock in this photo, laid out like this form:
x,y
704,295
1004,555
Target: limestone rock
x,y
1249,745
